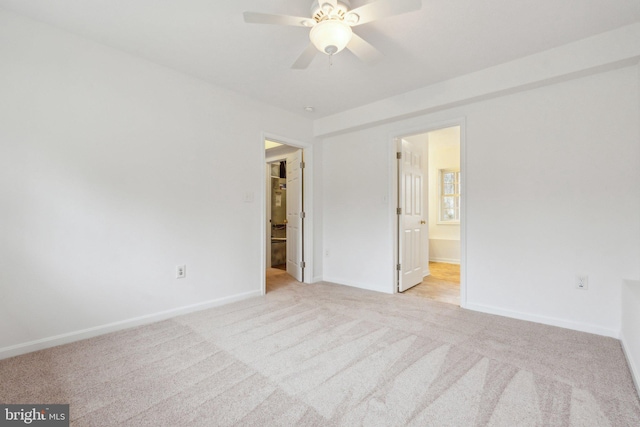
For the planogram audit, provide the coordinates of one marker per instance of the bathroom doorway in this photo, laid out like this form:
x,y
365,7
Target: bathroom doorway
x,y
429,189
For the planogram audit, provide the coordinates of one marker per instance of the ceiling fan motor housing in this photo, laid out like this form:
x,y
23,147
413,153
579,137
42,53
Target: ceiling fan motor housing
x,y
321,10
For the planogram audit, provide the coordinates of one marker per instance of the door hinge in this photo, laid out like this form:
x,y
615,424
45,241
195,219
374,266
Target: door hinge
x,y
399,155
303,215
399,211
302,165
399,267
303,264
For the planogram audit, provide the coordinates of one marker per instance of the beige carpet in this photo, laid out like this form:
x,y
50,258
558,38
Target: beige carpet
x,y
324,355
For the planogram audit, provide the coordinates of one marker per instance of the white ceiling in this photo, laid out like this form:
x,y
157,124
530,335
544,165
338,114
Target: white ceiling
x,y
447,38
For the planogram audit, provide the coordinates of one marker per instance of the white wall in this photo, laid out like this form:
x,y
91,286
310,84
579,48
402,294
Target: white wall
x,y
552,191
356,200
606,51
114,170
569,153
444,153
444,250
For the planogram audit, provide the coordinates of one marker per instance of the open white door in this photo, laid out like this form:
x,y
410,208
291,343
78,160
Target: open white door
x,y
295,215
411,216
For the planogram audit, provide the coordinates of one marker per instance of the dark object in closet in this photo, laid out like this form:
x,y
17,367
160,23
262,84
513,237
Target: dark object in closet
x,y
283,169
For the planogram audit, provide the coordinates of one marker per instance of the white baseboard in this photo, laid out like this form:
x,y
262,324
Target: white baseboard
x,y
354,284
445,260
635,370
28,347
552,321
316,279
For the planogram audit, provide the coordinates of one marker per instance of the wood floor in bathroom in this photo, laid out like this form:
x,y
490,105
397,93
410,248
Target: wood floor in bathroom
x,y
442,285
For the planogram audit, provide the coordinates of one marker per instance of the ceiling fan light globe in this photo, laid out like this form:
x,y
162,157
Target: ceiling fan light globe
x,y
331,36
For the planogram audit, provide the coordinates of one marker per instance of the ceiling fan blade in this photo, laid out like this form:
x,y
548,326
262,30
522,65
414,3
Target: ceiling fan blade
x,y
265,18
363,50
333,3
305,58
385,8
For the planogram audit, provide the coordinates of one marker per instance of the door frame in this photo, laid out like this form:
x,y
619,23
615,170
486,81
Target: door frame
x,y
393,191
307,200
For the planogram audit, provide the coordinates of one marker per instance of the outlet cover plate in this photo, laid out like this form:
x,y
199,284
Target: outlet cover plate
x,y
181,272
582,282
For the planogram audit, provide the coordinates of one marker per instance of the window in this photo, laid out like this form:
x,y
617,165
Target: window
x,y
449,196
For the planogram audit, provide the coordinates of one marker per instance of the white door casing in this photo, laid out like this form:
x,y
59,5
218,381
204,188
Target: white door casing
x,y
411,216
295,213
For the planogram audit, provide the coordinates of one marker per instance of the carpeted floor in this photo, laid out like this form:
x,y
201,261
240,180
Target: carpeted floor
x,y
325,355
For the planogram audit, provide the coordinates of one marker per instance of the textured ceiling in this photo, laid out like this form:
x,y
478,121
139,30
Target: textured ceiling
x,y
447,38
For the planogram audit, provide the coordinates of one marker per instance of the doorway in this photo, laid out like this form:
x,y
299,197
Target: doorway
x,y
284,214
430,218
277,214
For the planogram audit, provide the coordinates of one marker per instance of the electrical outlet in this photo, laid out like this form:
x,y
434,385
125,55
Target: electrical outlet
x,y
181,272
582,282
326,253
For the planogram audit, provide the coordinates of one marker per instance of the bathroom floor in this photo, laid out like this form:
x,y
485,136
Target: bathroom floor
x,y
442,285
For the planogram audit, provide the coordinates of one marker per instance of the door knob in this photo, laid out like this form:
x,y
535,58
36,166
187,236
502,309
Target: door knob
x,y
423,222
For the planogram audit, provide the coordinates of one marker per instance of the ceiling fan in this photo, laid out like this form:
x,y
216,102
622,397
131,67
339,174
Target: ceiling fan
x,y
331,22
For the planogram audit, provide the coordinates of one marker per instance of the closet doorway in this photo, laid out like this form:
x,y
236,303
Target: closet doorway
x,y
278,214
284,213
